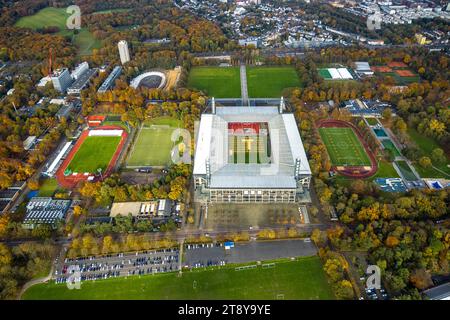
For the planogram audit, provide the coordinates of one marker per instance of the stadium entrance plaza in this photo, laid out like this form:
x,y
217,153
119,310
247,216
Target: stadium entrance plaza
x,y
257,215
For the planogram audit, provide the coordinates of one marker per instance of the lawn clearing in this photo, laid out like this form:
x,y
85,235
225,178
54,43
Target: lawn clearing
x,y
48,187
217,82
385,170
372,121
57,17
427,145
95,152
344,147
303,278
269,82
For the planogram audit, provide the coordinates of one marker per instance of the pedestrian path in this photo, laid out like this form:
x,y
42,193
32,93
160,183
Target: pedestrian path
x,y
244,90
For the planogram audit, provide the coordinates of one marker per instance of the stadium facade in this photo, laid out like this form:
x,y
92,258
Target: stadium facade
x,y
250,154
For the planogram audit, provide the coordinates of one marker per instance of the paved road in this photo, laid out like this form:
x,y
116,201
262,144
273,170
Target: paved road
x,y
244,89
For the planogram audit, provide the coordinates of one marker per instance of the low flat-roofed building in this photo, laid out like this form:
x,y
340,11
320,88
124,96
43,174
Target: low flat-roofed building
x,y
362,68
441,292
29,142
109,81
45,210
81,82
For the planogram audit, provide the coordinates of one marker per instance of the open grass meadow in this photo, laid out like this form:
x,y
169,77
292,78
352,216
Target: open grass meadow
x,y
427,145
372,121
56,17
385,170
95,152
303,278
344,147
218,82
48,187
269,82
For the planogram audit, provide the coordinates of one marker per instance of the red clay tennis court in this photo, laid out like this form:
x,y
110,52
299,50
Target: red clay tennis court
x,y
397,64
382,69
405,73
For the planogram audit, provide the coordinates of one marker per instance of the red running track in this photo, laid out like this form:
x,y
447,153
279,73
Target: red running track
x,y
71,181
357,172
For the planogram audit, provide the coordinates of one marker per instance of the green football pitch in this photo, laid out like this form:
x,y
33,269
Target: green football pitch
x,y
269,82
303,278
57,17
95,152
343,147
153,145
216,81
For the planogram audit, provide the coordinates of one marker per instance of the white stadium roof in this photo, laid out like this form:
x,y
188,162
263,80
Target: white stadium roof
x,y
286,146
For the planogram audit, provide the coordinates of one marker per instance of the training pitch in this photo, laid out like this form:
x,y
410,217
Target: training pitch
x,y
95,152
343,147
219,82
303,278
269,82
153,146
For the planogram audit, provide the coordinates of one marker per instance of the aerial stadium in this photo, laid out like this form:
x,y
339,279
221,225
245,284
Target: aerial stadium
x,y
150,80
250,154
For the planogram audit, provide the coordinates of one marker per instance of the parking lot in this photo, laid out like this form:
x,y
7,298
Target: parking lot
x,y
204,255
119,265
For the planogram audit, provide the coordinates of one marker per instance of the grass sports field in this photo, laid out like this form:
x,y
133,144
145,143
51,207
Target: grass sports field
x,y
269,82
216,81
343,147
57,17
300,279
95,152
153,145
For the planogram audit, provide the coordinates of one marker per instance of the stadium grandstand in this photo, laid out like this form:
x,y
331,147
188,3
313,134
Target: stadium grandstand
x,y
56,163
250,154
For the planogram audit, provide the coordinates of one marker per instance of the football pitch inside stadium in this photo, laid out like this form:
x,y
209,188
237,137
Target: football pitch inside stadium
x,y
302,278
248,143
344,147
95,152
